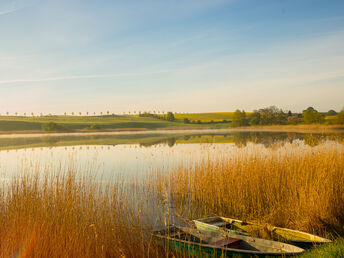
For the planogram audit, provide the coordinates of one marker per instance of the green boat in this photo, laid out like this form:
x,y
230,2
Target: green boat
x,y
234,226
205,243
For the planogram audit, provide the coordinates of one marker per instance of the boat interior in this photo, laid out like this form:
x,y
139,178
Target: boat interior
x,y
218,240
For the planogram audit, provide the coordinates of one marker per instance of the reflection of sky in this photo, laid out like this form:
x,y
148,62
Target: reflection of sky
x,y
104,160
134,162
130,160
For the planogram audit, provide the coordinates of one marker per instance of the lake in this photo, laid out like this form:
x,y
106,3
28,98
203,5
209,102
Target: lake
x,y
134,154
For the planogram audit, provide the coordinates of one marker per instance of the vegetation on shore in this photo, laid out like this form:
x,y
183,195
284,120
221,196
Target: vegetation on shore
x,y
67,214
63,215
290,188
270,116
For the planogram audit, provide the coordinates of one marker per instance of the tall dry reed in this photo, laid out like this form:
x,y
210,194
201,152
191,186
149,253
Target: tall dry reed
x,y
293,187
68,216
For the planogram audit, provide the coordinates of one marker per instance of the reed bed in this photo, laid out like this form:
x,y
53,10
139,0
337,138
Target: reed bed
x,y
300,188
69,216
67,212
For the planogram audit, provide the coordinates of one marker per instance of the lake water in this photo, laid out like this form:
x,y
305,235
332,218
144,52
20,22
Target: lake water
x,y
135,154
130,157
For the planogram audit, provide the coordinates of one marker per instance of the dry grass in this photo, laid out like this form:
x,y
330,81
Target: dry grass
x,y
297,189
66,216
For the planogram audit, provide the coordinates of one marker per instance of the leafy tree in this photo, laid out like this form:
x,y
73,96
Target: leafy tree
x,y
272,115
293,120
340,117
254,118
331,113
186,121
312,116
170,116
239,118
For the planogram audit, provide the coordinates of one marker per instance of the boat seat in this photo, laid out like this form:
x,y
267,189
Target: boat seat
x,y
176,234
227,242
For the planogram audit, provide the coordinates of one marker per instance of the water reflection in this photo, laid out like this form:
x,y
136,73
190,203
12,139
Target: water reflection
x,y
240,139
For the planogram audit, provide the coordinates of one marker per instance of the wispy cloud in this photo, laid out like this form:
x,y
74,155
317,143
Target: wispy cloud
x,y
10,7
75,77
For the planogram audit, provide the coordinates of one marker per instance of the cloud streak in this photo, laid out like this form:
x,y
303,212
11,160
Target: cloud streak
x,y
10,8
76,77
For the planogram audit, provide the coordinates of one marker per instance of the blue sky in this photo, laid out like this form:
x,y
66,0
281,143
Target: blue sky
x,y
186,56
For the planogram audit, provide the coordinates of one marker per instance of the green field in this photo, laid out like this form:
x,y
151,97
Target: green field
x,y
20,123
206,117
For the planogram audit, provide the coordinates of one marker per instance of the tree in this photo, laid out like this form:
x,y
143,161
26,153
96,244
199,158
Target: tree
x,y
72,113
65,113
87,113
108,112
80,113
186,121
254,119
170,116
239,118
312,116
340,117
272,115
331,113
32,114
16,113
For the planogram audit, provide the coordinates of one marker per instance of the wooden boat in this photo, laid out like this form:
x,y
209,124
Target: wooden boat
x,y
205,243
234,226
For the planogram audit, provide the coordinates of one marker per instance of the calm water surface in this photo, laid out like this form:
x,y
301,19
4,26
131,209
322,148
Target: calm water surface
x,y
132,157
105,156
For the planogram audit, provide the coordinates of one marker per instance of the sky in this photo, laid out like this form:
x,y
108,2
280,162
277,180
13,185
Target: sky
x,y
61,56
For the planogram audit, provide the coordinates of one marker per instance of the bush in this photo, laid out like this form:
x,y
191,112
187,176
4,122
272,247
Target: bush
x,y
186,121
51,126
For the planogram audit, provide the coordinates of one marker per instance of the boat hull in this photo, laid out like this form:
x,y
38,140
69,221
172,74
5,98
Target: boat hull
x,y
203,249
294,237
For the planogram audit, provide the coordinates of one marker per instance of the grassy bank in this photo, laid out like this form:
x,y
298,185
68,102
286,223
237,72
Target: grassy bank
x,y
109,123
95,123
333,250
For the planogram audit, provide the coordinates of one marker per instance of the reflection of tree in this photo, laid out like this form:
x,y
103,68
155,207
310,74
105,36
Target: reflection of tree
x,y
240,139
312,140
171,142
49,140
187,137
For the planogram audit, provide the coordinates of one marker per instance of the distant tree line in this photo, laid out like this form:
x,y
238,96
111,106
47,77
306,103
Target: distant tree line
x,y
275,116
168,117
